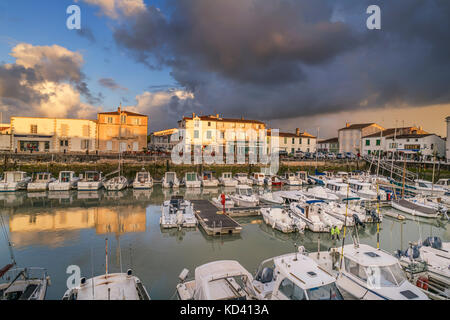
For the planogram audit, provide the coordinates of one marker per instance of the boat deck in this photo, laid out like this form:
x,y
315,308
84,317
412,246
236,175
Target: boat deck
x,y
415,207
212,222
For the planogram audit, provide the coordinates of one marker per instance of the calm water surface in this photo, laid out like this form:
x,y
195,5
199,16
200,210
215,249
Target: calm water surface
x,y
55,230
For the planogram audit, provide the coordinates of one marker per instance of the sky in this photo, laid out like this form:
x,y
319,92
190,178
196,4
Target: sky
x,y
308,64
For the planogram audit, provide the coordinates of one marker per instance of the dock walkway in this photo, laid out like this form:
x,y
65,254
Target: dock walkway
x,y
212,222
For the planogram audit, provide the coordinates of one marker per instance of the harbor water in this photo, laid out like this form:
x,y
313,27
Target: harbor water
x,y
58,230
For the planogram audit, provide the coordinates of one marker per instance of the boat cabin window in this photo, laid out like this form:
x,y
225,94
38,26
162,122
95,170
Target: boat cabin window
x,y
65,176
423,185
355,269
291,291
227,175
92,176
245,192
191,177
387,276
326,292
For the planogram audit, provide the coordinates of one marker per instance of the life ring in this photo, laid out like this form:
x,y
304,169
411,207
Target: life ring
x,y
422,282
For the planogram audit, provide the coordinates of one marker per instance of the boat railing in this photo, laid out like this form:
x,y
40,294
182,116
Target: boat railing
x,y
29,273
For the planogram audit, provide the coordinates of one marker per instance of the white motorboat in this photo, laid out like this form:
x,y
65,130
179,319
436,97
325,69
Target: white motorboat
x,y
273,181
430,201
367,273
91,181
170,180
294,276
281,220
309,214
176,213
365,190
340,212
67,180
428,188
110,286
242,178
23,283
342,190
40,181
319,192
303,177
227,180
272,198
116,183
444,183
290,179
208,180
436,256
217,201
143,180
191,180
218,280
415,208
14,181
258,178
244,197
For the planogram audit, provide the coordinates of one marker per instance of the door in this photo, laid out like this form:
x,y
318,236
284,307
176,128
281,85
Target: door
x,y
135,146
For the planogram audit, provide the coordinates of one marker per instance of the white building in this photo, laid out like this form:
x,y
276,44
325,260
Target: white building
x,y
291,142
447,143
163,140
33,134
373,143
350,136
328,145
413,144
5,137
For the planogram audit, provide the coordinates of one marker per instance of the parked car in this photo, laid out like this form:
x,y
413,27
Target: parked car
x,y
340,156
331,156
299,154
350,155
308,155
282,153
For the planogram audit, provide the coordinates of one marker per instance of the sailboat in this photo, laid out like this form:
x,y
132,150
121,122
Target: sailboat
x,y
118,182
21,283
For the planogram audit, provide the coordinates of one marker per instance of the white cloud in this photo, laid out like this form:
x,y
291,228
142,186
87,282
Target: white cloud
x,y
115,8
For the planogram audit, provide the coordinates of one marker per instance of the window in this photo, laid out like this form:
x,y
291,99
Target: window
x,y
355,269
47,145
378,142
64,143
64,130
196,123
367,142
208,134
136,121
196,134
291,291
308,141
123,119
209,124
85,131
326,292
293,140
300,140
285,140
110,120
292,150
33,128
84,144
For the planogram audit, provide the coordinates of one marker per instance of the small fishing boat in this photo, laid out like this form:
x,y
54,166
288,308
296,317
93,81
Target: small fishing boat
x,y
309,214
170,180
290,179
23,283
258,178
218,280
226,180
208,180
281,220
14,181
304,178
244,197
294,276
191,180
367,273
340,189
242,178
217,201
177,212
415,208
365,190
67,180
273,181
91,181
40,181
116,183
143,180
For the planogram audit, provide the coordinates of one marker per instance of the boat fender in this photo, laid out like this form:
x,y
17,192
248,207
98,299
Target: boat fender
x,y
422,282
129,272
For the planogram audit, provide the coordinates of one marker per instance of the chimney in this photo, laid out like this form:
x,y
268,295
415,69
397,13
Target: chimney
x,y
193,115
118,110
297,131
347,124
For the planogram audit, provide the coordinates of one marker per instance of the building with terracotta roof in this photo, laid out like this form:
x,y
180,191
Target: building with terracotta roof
x,y
426,144
350,136
121,131
328,145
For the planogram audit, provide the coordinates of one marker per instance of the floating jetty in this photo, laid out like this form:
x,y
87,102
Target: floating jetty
x,y
213,222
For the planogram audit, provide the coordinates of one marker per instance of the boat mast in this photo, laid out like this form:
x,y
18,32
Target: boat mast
x,y
379,152
432,177
393,144
106,256
345,229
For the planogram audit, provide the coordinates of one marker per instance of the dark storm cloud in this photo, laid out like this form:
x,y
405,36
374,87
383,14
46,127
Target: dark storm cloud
x,y
110,83
288,58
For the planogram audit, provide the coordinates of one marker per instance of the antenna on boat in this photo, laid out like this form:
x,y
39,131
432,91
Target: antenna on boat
x,y
345,230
